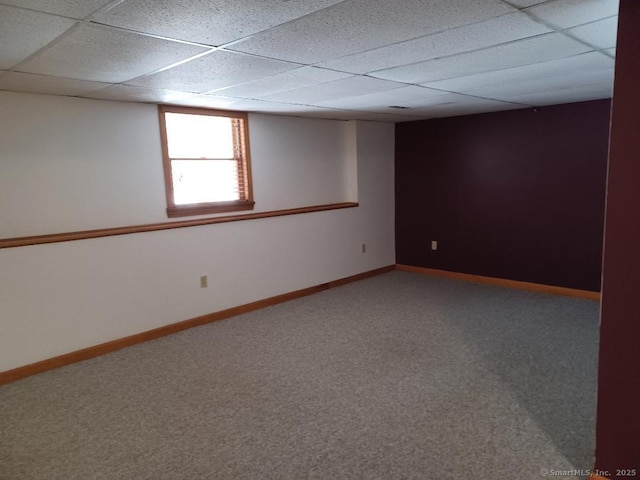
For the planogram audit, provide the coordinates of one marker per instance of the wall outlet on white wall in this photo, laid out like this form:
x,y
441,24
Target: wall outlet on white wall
x,y
204,281
364,248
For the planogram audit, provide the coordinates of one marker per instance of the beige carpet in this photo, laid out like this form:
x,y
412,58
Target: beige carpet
x,y
396,377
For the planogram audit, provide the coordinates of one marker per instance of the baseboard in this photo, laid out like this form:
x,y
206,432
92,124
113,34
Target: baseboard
x,y
97,350
503,282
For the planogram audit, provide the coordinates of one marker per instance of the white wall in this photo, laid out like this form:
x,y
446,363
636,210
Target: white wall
x,y
60,158
73,164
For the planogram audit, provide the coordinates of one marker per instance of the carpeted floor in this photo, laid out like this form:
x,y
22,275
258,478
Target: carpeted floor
x,y
400,376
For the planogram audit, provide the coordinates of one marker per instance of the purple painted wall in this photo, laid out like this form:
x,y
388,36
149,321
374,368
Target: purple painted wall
x,y
517,194
618,424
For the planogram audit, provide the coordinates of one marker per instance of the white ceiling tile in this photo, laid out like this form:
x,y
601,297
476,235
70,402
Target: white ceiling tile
x,y
583,64
127,93
107,55
418,105
507,90
319,75
214,71
289,80
358,25
533,50
212,22
206,101
68,8
525,3
456,106
396,97
347,87
569,13
568,95
266,86
22,33
498,30
469,56
387,117
441,99
600,34
277,108
28,82
260,105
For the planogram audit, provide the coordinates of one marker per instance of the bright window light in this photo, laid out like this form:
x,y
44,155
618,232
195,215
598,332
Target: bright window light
x,y
199,136
198,181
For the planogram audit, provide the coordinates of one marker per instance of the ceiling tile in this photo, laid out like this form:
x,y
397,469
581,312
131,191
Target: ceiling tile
x,y
266,106
206,101
261,106
568,95
28,82
107,55
533,50
347,87
226,20
600,34
68,8
126,93
319,75
358,25
382,100
214,71
507,90
454,105
585,63
388,117
22,33
440,99
503,29
266,86
282,82
569,13
524,3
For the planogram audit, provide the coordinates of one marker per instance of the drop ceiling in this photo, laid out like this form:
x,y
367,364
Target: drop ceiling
x,y
386,60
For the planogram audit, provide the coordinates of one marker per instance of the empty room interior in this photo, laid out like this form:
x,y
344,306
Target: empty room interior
x,y
319,239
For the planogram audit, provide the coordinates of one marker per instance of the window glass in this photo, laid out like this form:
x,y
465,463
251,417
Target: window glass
x,y
199,136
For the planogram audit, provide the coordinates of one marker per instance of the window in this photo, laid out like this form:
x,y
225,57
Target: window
x,y
206,161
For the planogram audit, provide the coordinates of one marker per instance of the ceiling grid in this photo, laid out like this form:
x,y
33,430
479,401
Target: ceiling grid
x,y
342,59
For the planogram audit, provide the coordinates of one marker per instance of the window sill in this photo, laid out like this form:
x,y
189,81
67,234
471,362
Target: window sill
x,y
208,208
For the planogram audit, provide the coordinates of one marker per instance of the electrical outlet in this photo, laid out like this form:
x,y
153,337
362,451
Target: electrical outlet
x,y
204,281
364,248
434,245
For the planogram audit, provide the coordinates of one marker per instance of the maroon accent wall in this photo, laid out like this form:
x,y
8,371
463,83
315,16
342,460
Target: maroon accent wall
x,y
516,194
618,423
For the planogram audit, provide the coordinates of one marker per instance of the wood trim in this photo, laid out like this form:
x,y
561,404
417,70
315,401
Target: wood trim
x,y
208,208
166,162
152,227
503,282
108,347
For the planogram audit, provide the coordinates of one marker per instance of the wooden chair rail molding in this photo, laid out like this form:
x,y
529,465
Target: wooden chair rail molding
x,y
503,282
152,227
